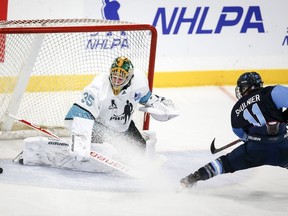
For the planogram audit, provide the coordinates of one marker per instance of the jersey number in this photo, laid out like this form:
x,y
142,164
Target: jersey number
x,y
88,99
257,112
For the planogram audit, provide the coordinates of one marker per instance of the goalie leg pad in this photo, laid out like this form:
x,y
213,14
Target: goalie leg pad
x,y
43,151
105,149
153,160
150,137
150,149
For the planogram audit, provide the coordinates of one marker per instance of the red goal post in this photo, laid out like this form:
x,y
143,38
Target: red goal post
x,y
46,63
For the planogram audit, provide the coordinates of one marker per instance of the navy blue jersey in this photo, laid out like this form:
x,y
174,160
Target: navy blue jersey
x,y
252,112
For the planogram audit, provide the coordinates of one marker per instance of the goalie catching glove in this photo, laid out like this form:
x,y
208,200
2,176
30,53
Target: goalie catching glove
x,y
160,108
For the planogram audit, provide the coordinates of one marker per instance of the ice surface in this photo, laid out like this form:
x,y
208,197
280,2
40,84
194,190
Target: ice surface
x,y
184,142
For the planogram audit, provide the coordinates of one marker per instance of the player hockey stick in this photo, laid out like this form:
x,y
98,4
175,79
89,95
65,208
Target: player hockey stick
x,y
94,155
215,150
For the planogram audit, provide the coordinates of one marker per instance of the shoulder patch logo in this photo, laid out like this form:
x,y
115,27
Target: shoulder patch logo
x,y
113,105
137,96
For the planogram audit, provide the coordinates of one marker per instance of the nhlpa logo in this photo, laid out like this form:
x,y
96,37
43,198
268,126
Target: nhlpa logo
x,y
137,96
108,40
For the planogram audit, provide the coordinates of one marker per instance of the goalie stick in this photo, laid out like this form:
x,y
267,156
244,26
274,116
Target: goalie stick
x,y
216,150
34,127
93,154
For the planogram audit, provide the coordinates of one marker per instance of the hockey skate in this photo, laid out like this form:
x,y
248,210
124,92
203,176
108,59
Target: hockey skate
x,y
190,180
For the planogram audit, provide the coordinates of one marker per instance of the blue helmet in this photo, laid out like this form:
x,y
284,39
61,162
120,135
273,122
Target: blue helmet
x,y
246,82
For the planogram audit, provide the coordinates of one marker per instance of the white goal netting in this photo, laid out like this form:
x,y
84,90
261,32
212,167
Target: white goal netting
x,y
44,64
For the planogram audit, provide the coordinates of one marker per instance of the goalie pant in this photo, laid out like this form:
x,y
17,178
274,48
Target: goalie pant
x,y
43,151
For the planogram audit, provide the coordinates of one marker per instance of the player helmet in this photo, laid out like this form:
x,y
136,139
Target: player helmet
x,y
121,73
246,82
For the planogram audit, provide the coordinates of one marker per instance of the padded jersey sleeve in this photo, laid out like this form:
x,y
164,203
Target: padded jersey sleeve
x,y
280,96
90,96
141,87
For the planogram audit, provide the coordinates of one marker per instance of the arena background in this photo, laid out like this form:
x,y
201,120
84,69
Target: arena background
x,y
200,42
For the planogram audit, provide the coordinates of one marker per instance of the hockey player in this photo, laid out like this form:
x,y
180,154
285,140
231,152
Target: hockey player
x,y
103,116
257,118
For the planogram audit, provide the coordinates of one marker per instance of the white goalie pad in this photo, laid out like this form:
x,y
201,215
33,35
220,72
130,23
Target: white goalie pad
x,y
153,161
160,109
81,131
43,151
150,137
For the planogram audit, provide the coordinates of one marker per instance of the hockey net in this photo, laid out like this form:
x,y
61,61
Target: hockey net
x,y
44,64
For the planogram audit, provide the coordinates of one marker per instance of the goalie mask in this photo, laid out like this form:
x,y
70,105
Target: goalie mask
x,y
121,73
247,82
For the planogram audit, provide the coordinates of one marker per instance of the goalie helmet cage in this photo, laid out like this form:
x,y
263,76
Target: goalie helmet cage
x,y
44,65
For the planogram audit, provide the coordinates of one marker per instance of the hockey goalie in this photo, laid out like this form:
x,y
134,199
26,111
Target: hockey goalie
x,y
101,121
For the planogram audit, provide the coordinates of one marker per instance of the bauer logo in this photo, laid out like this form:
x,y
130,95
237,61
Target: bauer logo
x,y
200,20
108,40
